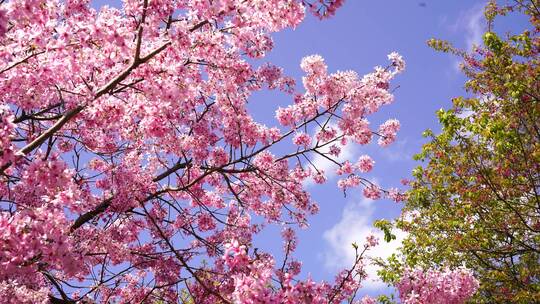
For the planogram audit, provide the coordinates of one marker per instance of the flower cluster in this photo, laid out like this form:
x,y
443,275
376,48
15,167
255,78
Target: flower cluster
x,y
6,132
388,131
439,287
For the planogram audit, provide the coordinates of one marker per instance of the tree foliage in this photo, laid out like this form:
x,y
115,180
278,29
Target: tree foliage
x,y
476,200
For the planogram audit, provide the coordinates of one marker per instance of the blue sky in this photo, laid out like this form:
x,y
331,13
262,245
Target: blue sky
x,y
358,38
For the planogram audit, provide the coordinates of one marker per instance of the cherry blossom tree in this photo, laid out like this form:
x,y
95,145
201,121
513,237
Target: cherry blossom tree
x,y
131,170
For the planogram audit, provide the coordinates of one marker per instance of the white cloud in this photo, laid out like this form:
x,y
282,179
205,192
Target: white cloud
x,y
474,22
470,22
355,225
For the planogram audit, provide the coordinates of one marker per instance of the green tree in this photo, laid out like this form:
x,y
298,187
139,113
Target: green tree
x,y
475,201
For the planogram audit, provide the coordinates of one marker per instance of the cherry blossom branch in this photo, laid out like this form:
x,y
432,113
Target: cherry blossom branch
x,y
181,259
106,88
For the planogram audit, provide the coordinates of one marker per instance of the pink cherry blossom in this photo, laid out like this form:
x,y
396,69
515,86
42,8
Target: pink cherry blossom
x,y
7,127
365,163
319,177
345,168
395,195
367,300
372,192
3,23
397,61
372,240
388,131
438,287
302,139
